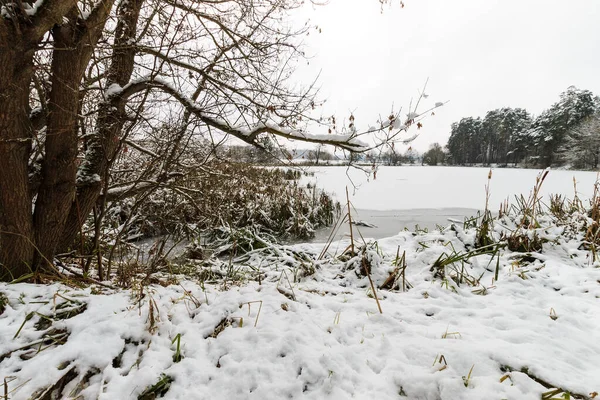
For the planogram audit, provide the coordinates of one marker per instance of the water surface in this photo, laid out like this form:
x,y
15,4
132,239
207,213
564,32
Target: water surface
x,y
389,223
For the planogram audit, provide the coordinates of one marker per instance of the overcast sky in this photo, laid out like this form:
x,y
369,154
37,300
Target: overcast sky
x,y
478,54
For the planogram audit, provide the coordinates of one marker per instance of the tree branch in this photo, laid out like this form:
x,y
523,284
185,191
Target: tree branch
x,y
125,191
50,13
248,135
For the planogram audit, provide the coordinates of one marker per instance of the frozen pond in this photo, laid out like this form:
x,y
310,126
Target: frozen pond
x,y
428,196
390,222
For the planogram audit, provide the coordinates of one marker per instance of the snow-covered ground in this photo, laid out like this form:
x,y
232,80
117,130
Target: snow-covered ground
x,y
310,327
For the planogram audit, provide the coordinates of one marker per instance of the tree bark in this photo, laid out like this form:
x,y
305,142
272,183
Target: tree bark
x,y
16,230
19,37
57,187
102,146
74,43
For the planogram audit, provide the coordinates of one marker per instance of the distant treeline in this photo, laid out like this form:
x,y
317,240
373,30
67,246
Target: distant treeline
x,y
567,133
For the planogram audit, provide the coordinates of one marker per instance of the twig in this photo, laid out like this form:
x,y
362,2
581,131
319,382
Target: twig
x,y
86,278
372,285
350,222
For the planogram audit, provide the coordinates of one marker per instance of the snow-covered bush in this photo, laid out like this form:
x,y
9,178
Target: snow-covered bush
x,y
230,196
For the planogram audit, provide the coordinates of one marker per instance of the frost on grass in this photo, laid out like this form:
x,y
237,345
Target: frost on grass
x,y
301,321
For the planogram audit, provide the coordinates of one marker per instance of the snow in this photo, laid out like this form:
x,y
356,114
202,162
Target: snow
x,y
351,139
396,124
417,187
113,90
321,336
85,178
330,343
31,9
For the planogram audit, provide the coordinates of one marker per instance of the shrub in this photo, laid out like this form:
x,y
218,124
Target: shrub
x,y
233,195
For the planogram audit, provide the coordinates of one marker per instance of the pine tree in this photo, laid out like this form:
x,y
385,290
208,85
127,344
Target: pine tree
x,y
504,135
466,144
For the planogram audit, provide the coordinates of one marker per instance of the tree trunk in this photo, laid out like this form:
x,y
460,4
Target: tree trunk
x,y
57,188
102,146
74,43
19,38
16,231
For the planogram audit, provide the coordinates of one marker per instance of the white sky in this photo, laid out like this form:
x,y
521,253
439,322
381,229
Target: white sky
x,y
478,54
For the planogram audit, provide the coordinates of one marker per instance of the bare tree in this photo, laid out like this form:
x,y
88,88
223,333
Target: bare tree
x,y
101,100
582,146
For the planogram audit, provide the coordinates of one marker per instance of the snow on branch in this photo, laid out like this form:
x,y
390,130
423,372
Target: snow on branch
x,y
45,14
247,134
141,149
